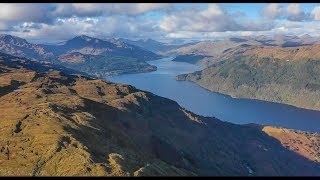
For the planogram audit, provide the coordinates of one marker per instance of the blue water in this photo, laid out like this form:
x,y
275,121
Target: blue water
x,y
207,103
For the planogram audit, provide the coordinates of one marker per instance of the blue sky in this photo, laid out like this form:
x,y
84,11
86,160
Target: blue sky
x,y
59,22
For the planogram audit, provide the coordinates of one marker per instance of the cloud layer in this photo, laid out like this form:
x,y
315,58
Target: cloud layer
x,y
292,12
152,20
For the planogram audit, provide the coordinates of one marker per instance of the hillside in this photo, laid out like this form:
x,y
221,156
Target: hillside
x,y
212,51
20,47
286,54
94,46
101,66
284,75
84,51
287,41
62,124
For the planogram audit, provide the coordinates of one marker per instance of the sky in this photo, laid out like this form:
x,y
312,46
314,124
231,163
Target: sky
x,y
57,22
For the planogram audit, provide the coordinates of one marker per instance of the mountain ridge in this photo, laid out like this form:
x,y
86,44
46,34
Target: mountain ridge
x,y
132,57
70,125
214,51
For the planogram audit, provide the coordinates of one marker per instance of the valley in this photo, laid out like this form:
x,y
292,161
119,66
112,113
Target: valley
x,y
159,89
61,119
211,104
60,123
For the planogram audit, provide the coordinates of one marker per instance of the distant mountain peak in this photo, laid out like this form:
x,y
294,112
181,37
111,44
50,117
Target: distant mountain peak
x,y
8,36
117,42
305,36
150,40
113,40
84,37
261,37
12,39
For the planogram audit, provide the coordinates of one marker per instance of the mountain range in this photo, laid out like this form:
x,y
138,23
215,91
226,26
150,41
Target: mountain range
x,y
156,46
83,51
63,123
214,51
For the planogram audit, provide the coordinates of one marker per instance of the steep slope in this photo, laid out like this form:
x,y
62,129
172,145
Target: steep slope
x,y
284,75
20,47
62,124
213,51
304,143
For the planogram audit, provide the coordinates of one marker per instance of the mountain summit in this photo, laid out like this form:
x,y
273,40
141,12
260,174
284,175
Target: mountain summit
x,y
14,40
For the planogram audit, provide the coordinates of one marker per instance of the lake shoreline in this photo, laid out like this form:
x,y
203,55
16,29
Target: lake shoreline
x,y
204,102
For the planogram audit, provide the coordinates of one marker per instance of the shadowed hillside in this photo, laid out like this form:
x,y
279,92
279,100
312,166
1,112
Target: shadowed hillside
x,y
57,123
284,75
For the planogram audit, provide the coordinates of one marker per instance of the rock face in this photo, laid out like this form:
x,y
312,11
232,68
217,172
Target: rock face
x,y
60,123
284,75
84,51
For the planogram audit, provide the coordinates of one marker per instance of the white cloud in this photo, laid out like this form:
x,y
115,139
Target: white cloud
x,y
212,19
294,9
272,11
3,26
65,20
24,12
292,12
212,11
316,13
66,28
91,9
